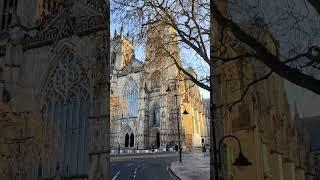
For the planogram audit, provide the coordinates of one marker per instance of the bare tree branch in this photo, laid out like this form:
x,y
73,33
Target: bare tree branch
x,y
247,89
266,57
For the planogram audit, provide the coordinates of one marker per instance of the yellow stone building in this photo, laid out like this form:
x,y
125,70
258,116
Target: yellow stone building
x,y
261,119
193,123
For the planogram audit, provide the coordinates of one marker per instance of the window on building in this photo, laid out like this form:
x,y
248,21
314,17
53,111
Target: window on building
x,y
68,108
5,4
15,4
113,59
9,19
9,6
49,5
54,4
155,80
3,21
156,115
11,3
130,94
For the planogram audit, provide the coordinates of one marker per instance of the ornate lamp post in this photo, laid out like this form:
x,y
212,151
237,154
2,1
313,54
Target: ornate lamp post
x,y
241,160
178,124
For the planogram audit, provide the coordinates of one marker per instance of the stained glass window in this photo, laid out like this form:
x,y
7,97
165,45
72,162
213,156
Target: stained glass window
x,y
130,94
67,99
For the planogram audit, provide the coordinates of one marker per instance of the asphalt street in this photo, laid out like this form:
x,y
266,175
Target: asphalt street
x,y
143,167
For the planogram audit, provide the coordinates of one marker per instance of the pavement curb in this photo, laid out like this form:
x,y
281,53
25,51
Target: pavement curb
x,y
139,154
174,174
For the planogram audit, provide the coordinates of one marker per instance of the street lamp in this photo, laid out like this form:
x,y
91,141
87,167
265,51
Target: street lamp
x,y
178,124
241,160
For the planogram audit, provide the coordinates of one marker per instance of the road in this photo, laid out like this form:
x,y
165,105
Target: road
x,y
143,167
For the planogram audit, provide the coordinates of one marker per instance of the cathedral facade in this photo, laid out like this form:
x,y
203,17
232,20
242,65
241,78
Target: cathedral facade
x,y
50,56
153,97
273,141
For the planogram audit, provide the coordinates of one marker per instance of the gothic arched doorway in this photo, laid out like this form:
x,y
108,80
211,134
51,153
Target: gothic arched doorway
x,y
158,140
126,144
131,140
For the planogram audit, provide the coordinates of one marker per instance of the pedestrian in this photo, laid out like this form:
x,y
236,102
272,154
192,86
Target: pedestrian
x,y
204,150
119,149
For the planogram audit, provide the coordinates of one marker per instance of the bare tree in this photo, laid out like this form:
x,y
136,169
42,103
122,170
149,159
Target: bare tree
x,y
191,20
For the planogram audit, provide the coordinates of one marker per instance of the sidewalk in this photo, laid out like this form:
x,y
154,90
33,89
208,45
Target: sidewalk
x,y
194,166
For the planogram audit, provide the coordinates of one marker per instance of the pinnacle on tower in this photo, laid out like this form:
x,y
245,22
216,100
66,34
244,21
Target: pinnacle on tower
x,y
115,33
121,31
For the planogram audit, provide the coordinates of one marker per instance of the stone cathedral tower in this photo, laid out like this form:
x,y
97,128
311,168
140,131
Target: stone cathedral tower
x,y
162,54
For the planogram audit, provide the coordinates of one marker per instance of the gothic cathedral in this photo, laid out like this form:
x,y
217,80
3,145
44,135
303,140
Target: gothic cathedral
x,y
151,97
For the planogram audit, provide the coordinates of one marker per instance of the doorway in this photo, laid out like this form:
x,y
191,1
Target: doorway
x,y
158,140
131,140
126,143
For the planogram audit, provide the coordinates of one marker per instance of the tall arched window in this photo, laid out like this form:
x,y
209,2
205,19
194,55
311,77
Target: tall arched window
x,y
156,115
131,140
130,94
66,104
113,59
155,80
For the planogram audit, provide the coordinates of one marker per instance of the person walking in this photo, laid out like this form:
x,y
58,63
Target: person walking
x,y
204,150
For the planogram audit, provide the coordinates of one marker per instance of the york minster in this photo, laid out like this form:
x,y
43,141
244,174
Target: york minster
x,y
151,95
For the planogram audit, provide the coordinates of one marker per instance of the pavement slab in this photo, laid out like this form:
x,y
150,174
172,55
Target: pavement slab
x,y
194,166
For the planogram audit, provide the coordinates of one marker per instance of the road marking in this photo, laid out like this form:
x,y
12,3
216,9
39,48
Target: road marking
x,y
115,177
130,165
135,173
